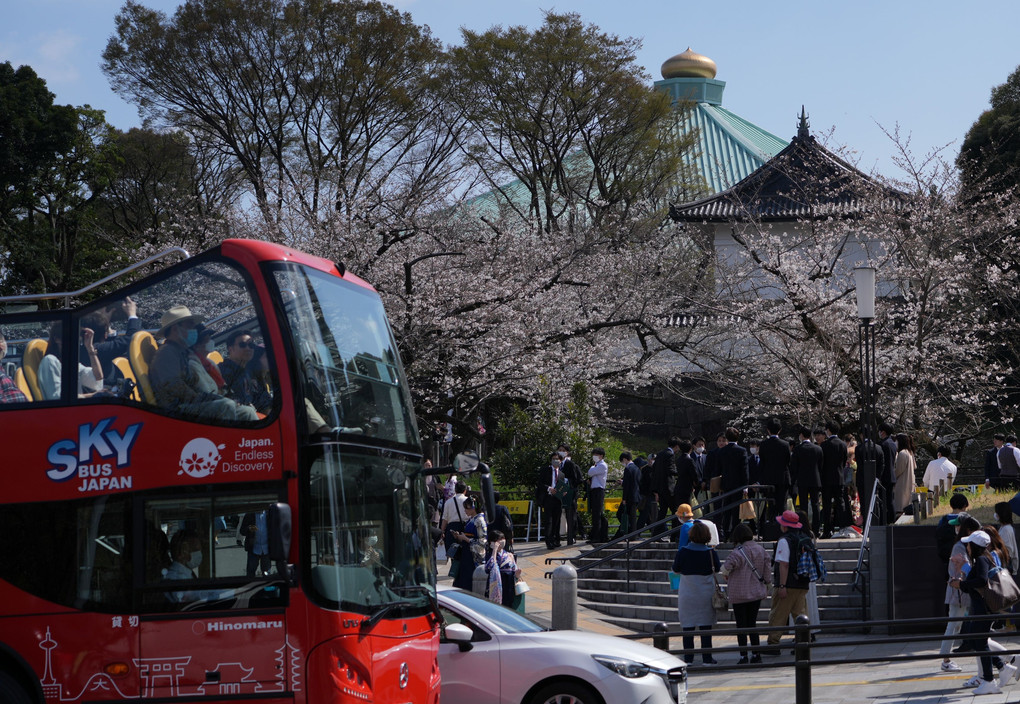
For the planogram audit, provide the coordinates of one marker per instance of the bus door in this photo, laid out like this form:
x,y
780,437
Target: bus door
x,y
216,622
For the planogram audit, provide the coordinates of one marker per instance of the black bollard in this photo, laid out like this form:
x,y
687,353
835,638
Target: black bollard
x,y
660,640
802,658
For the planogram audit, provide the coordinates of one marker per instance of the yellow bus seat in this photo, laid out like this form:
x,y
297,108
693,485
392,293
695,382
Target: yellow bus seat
x,y
125,368
215,357
35,350
22,383
140,353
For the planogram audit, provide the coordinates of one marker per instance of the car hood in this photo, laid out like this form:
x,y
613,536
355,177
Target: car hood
x,y
598,644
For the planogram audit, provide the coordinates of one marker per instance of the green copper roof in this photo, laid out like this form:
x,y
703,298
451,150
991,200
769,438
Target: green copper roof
x,y
730,148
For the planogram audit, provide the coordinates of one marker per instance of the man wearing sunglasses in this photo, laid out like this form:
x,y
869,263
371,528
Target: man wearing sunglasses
x,y
239,373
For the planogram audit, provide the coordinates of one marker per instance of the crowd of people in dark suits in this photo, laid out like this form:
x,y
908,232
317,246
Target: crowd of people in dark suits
x,y
815,468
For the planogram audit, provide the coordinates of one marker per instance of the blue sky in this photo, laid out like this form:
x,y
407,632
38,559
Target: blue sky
x,y
924,66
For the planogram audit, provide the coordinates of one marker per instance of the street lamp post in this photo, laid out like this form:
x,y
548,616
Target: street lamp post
x,y
867,452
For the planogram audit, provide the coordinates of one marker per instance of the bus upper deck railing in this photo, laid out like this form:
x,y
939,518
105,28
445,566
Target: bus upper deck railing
x,y
68,295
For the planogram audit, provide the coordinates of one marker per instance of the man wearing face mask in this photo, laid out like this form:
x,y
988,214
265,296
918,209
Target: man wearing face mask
x,y
597,475
9,391
174,383
186,551
698,457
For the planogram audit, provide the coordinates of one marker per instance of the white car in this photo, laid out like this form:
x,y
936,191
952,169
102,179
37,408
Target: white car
x,y
489,654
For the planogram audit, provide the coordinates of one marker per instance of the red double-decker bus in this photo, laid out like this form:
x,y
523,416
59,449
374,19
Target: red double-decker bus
x,y
211,493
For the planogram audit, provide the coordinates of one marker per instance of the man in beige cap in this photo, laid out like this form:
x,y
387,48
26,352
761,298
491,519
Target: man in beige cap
x,y
173,382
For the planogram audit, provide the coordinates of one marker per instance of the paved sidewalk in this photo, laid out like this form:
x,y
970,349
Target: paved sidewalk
x,y
916,682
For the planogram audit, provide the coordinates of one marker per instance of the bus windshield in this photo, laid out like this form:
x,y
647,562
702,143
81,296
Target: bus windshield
x,y
347,361
369,545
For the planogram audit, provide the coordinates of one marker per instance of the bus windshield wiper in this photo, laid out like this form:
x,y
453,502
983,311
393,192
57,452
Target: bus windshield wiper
x,y
369,623
429,594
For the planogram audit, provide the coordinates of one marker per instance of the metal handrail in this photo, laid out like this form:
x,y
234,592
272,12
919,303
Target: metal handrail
x,y
68,295
630,548
859,584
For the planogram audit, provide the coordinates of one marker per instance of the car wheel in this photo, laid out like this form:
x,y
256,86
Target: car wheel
x,y
11,692
564,693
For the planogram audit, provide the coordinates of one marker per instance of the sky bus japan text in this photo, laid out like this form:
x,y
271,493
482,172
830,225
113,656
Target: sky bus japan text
x,y
210,492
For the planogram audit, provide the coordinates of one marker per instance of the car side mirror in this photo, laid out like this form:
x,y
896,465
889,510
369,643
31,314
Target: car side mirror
x,y
460,634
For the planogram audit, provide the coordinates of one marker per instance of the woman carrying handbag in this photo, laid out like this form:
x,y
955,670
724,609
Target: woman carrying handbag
x,y
748,573
697,563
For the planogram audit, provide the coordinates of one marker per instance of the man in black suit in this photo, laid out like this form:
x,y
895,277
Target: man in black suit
x,y
550,488
664,479
698,457
732,462
688,481
573,475
887,451
806,473
835,502
631,493
774,454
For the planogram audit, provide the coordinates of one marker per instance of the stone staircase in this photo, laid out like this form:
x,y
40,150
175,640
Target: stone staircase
x,y
651,600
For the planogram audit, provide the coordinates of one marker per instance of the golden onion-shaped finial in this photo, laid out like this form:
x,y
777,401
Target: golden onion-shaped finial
x,y
688,65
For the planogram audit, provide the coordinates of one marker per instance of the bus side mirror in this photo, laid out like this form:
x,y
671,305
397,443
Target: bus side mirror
x,y
278,525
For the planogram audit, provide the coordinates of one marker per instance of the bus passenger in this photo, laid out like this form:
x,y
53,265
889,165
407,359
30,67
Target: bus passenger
x,y
9,391
90,378
108,344
242,375
208,372
174,382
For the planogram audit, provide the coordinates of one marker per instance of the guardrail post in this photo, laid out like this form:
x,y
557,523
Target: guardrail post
x,y
479,579
802,659
564,598
660,640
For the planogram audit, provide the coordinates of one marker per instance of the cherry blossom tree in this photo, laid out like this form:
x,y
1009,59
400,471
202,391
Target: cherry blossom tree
x,y
776,333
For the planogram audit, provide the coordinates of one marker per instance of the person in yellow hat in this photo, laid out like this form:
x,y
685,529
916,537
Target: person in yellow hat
x,y
686,517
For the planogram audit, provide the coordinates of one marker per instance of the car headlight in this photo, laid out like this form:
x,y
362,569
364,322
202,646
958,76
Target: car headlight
x,y
622,666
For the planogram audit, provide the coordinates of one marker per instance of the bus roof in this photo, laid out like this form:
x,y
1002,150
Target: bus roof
x,y
269,252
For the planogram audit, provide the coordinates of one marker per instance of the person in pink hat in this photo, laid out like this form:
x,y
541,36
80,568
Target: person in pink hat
x,y
790,596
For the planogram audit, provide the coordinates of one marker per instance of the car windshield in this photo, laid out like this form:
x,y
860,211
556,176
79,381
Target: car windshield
x,y
507,619
346,359
368,544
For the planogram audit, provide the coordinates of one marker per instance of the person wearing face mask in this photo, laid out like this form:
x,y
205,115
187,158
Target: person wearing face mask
x,y
753,461
256,543
186,552
368,552
174,382
597,475
698,457
9,391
